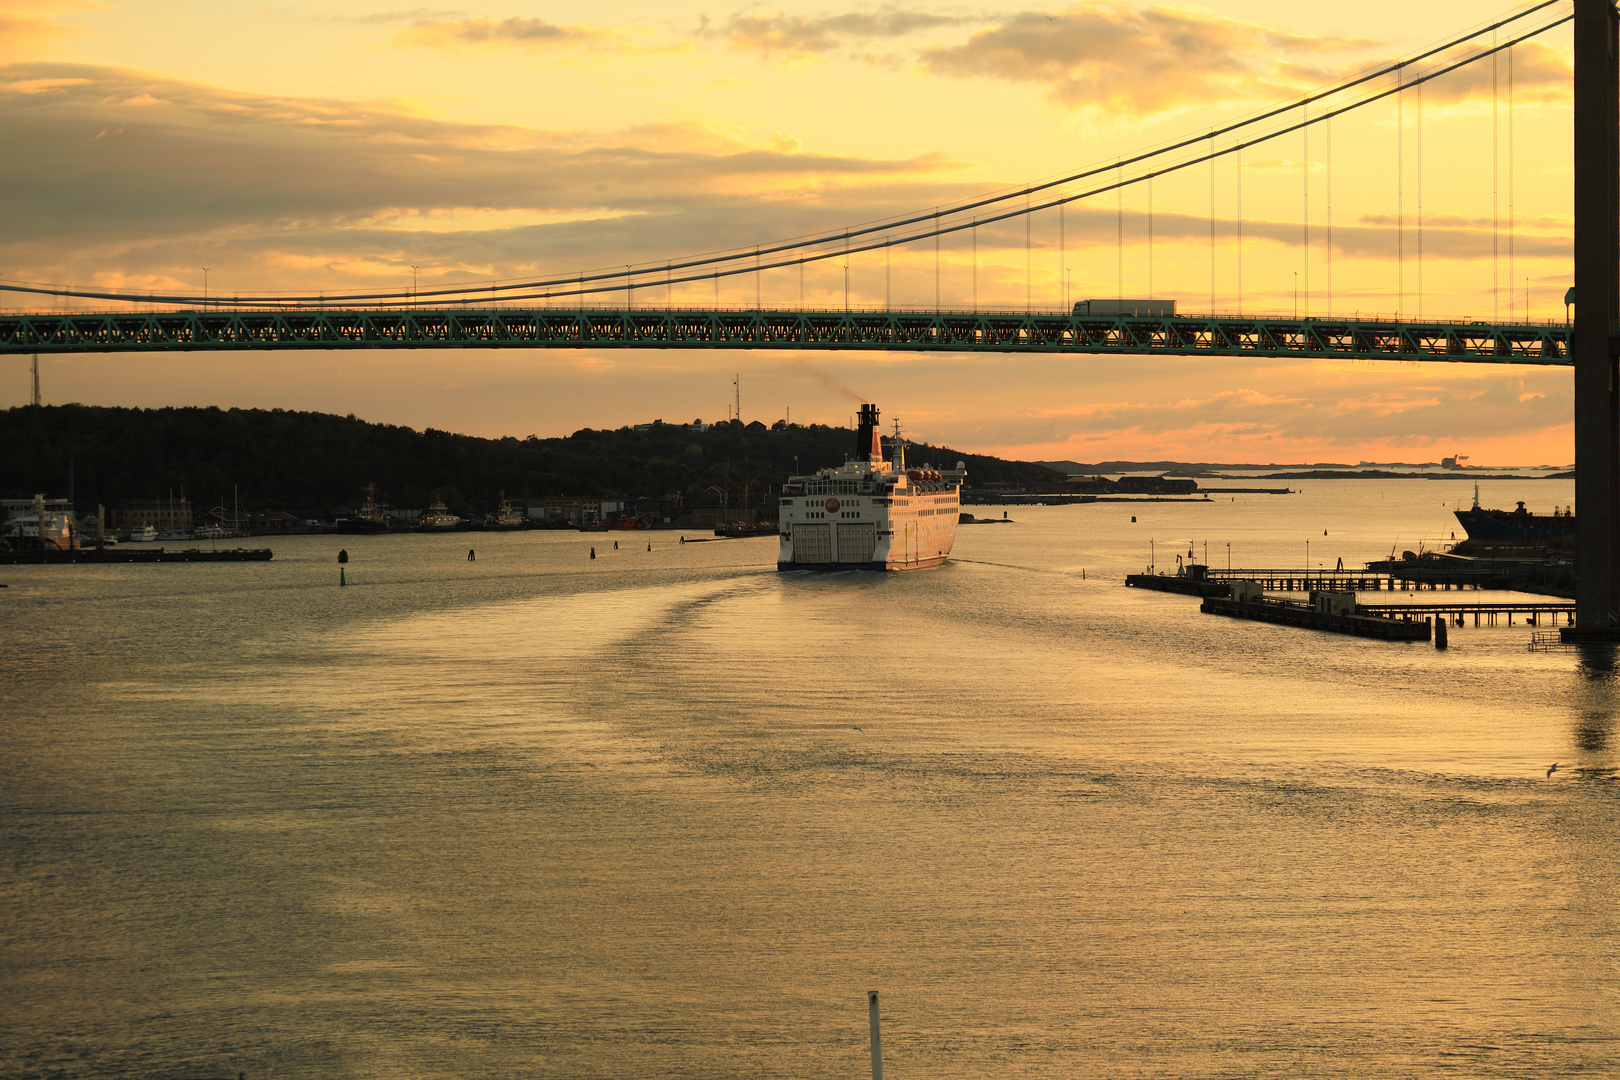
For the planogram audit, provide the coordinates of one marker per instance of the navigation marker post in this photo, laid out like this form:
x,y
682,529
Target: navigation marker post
x,y
877,1035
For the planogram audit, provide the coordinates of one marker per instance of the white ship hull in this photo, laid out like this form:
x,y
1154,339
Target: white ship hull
x,y
908,534
870,514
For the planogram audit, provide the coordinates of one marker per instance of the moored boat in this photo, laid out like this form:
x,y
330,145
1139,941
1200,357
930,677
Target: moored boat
x,y
438,518
505,519
370,520
737,529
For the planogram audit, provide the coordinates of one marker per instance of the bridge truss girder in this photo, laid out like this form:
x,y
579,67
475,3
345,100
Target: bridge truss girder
x,y
700,328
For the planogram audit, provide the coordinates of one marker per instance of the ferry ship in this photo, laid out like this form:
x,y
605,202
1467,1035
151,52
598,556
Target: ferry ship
x,y
870,513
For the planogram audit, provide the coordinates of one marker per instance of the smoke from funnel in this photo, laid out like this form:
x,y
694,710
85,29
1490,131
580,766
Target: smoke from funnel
x,y
827,382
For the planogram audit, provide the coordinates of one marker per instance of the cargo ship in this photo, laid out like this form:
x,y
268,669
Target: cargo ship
x,y
1517,527
871,513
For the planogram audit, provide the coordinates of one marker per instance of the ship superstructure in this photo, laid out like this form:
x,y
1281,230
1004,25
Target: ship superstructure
x,y
870,513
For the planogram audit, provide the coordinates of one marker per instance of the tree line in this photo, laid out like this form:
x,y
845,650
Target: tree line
x,y
309,462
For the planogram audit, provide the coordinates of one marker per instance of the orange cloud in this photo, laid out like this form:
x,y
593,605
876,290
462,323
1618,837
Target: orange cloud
x,y
522,33
801,35
25,29
1124,60
1540,73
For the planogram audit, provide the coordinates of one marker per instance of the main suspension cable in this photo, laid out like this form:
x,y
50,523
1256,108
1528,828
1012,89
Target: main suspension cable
x,y
613,280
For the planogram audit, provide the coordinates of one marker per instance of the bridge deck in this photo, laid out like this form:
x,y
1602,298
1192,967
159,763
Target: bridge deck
x,y
703,328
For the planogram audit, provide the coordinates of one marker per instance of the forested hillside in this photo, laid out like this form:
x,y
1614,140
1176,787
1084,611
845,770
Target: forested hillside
x,y
309,462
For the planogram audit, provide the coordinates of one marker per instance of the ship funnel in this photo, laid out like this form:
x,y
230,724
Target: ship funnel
x,y
867,440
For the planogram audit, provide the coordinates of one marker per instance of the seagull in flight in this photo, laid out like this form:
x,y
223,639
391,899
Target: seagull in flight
x,y
1552,768
857,727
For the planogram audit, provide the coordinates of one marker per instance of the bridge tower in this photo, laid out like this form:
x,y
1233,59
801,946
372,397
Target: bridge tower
x,y
1597,309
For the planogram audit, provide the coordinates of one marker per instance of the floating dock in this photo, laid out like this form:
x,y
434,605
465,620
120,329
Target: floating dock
x,y
133,555
1311,617
1176,583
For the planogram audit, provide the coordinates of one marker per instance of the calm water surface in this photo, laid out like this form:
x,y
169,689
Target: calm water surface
x,y
672,813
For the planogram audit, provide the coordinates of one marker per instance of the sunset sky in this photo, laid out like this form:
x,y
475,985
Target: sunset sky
x,y
333,146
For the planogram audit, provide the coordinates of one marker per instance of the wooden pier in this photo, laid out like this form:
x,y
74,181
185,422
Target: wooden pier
x,y
1218,590
1534,612
1402,577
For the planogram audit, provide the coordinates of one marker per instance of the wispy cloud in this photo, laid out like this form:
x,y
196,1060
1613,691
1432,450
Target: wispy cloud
x,y
1539,73
533,35
116,168
1124,60
27,26
793,36
1325,416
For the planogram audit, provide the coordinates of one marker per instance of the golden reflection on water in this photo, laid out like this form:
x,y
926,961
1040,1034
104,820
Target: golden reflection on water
x,y
672,813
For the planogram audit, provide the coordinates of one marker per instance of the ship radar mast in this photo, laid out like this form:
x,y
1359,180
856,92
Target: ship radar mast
x,y
899,449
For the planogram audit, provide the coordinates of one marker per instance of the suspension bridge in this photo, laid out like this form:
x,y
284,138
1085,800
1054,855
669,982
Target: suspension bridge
x,y
942,331
579,310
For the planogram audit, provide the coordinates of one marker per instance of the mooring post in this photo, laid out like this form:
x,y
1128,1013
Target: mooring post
x,y
1597,305
877,1035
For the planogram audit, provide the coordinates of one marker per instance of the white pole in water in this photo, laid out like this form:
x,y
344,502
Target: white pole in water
x,y
877,1036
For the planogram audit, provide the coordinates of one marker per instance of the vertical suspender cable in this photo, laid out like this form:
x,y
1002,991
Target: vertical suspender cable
x,y
1510,188
1420,200
1330,215
975,263
1496,225
1119,229
888,278
1063,283
1150,236
1212,224
936,258
1400,196
1027,268
757,303
1240,230
1305,217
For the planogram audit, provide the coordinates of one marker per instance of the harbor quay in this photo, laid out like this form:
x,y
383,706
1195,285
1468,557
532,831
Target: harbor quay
x,y
1332,603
